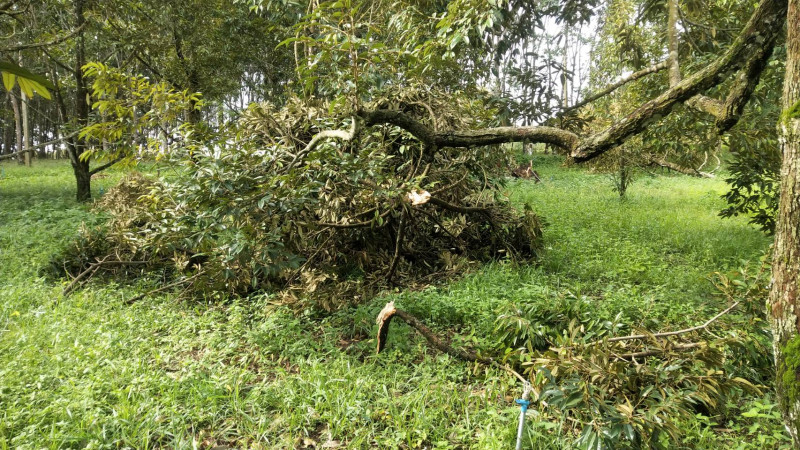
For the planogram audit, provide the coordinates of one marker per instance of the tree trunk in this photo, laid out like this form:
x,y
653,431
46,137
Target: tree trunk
x,y
672,42
84,180
784,298
8,132
8,138
80,167
26,130
17,127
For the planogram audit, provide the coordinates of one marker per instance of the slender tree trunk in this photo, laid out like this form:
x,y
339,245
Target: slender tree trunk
x,y
8,138
564,75
17,127
8,132
80,166
784,298
672,42
26,130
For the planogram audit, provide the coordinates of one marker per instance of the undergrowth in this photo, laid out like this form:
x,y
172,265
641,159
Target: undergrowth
x,y
86,371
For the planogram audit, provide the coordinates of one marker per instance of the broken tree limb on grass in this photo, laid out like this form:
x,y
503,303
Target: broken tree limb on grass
x,y
390,311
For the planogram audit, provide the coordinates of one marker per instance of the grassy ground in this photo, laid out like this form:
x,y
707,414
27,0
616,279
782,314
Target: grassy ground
x,y
88,372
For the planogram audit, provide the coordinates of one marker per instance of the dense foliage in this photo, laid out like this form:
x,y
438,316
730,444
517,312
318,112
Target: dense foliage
x,y
320,153
265,204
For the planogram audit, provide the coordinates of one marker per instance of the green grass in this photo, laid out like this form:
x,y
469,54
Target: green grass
x,y
87,371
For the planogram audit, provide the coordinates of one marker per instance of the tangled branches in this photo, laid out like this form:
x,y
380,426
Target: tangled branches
x,y
289,201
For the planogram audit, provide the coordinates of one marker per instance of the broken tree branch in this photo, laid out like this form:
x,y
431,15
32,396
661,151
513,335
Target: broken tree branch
x,y
86,273
93,268
389,311
133,300
322,135
401,229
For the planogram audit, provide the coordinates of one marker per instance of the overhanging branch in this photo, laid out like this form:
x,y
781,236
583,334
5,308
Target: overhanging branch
x,y
38,146
470,138
748,54
618,84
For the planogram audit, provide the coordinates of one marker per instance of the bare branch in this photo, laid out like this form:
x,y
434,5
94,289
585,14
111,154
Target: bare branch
x,y
616,85
44,144
106,165
678,168
55,41
670,333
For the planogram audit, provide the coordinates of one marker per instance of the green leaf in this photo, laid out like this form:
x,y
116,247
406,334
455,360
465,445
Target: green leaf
x,y
8,80
21,72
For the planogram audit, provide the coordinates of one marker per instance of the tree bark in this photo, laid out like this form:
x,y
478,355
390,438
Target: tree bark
x,y
80,167
784,298
8,137
17,127
672,42
26,130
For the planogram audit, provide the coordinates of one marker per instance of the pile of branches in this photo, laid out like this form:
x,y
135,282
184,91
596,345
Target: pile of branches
x,y
318,207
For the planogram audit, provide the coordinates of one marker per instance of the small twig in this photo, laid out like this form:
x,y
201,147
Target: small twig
x,y
364,224
659,351
451,186
94,267
398,243
161,289
459,209
669,333
86,273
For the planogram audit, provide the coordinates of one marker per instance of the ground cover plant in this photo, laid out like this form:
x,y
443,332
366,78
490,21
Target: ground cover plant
x,y
88,371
